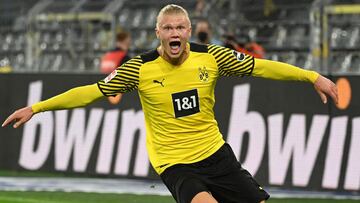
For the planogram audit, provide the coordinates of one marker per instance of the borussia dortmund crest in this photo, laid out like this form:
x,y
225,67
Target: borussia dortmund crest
x,y
203,74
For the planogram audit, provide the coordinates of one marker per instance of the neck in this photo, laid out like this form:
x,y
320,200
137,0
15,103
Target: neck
x,y
174,61
122,47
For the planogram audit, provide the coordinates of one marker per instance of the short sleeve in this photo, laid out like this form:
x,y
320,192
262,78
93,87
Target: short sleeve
x,y
231,62
124,79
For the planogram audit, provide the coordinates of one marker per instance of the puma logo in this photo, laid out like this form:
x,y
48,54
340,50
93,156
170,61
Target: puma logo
x,y
161,83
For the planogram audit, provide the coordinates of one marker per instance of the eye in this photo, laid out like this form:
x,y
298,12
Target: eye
x,y
180,27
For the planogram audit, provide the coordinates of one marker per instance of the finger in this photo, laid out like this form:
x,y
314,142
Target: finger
x,y
336,89
4,123
335,96
322,96
8,120
18,123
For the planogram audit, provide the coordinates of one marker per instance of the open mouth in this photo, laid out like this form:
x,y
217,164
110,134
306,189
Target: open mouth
x,y
175,47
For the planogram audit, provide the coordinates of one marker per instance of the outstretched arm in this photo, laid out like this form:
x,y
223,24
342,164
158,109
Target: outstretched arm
x,y
76,97
282,71
231,62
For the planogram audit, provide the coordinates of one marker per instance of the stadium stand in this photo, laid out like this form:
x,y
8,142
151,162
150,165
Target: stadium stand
x,y
70,36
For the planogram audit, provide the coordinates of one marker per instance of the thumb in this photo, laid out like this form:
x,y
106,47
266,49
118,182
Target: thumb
x,y
322,96
18,123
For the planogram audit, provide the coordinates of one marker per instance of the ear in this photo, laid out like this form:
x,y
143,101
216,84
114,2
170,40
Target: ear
x,y
157,32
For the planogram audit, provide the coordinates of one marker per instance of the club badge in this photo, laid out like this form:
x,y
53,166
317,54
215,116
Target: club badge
x,y
203,74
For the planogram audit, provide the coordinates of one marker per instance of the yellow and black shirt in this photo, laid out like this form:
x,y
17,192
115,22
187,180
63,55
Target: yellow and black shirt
x,y
178,100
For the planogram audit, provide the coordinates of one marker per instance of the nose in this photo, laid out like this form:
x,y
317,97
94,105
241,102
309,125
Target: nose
x,y
174,33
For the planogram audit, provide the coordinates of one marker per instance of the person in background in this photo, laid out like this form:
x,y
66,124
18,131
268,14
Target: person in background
x,y
203,33
201,8
119,55
244,44
115,58
176,84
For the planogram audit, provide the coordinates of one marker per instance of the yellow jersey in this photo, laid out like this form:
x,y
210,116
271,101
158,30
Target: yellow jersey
x,y
178,100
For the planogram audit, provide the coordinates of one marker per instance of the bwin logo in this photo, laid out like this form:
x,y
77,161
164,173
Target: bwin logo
x,y
239,56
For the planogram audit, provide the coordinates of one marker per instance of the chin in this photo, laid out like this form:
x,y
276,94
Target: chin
x,y
175,56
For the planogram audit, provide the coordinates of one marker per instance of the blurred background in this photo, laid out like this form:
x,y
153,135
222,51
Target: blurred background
x,y
71,35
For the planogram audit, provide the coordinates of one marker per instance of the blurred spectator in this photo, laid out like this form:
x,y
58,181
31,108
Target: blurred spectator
x,y
245,45
114,58
203,33
200,8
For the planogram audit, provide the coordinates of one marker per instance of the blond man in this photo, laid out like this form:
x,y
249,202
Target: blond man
x,y
176,85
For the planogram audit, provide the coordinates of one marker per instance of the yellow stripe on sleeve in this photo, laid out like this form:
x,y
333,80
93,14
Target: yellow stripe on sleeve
x,y
231,62
76,97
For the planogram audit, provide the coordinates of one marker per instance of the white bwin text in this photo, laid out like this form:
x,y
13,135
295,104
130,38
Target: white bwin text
x,y
74,138
78,138
293,145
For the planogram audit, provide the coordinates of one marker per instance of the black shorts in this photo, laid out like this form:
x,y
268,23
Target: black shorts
x,y
220,174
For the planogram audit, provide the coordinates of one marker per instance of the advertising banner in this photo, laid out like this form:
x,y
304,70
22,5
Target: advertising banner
x,y
280,131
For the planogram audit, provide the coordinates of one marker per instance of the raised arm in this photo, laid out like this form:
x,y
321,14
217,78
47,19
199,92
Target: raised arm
x,y
76,97
231,62
282,71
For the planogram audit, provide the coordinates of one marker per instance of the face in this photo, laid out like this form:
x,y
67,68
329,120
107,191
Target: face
x,y
202,27
125,44
173,31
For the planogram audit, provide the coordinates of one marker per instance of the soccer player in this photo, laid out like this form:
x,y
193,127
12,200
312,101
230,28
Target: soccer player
x,y
176,86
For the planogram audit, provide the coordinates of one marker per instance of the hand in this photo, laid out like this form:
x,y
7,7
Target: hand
x,y
116,99
20,117
324,87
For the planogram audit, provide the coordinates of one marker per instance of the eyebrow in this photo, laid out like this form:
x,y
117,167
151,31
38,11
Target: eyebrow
x,y
170,25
